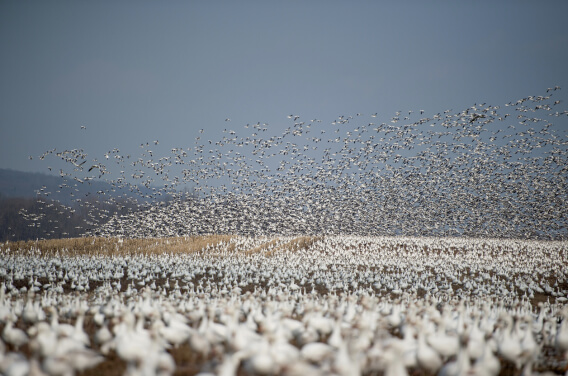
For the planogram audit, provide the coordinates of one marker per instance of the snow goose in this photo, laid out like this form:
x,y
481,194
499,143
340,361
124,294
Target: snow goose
x,y
476,339
393,358
172,335
14,364
61,329
395,319
460,366
317,321
487,364
103,338
14,336
262,362
44,340
243,338
30,314
409,344
35,368
426,356
561,339
344,363
446,345
317,352
509,342
198,341
79,334
230,364
530,349
335,339
131,344
71,355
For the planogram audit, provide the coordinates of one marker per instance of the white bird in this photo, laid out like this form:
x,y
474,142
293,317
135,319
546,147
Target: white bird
x,y
393,358
14,364
487,364
561,339
14,336
317,352
426,356
460,366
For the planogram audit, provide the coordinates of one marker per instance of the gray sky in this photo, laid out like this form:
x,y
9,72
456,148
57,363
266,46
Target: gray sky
x,y
137,71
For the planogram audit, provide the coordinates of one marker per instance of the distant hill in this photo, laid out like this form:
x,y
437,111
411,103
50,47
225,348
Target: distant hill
x,y
33,184
24,184
35,205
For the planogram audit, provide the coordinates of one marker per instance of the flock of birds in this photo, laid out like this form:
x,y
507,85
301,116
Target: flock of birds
x,y
431,245
333,305
485,171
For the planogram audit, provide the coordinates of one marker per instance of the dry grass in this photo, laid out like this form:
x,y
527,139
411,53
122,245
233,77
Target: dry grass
x,y
261,248
303,242
296,244
90,246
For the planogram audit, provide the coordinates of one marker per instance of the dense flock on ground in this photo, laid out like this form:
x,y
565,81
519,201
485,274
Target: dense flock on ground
x,y
333,305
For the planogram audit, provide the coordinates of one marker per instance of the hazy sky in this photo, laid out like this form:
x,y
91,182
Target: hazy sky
x,y
138,71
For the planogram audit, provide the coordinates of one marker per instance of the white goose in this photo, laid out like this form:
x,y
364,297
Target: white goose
x,y
487,364
393,358
444,344
317,352
509,343
14,336
14,364
177,331
460,366
561,339
103,338
44,342
426,356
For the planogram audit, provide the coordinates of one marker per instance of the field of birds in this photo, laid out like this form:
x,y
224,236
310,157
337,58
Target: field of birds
x,y
238,305
415,245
